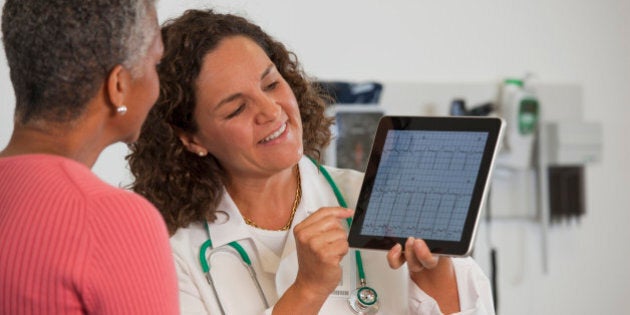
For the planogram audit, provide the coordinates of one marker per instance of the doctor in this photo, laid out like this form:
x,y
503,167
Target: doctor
x,y
258,227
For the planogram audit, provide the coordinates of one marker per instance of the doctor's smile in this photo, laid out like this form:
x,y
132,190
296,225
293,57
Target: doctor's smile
x,y
275,135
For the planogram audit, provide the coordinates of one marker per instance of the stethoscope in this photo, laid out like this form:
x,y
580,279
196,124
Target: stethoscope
x,y
363,300
205,266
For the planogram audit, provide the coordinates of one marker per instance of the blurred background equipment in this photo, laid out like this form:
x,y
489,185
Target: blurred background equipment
x,y
352,93
519,106
567,148
458,108
356,109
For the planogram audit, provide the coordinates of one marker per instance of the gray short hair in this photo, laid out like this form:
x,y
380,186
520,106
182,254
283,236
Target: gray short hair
x,y
60,51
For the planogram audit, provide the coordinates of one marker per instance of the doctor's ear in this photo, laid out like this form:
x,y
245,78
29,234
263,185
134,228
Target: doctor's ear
x,y
191,144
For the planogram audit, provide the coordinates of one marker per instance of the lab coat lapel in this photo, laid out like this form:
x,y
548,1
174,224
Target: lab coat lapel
x,y
229,225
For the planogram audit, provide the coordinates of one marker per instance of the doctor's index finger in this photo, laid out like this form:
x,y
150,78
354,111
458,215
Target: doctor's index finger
x,y
323,214
327,212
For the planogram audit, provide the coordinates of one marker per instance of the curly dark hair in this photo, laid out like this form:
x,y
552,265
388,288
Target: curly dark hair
x,y
60,51
184,187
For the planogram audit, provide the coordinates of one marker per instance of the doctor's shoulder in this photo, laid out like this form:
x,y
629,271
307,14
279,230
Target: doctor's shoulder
x,y
189,238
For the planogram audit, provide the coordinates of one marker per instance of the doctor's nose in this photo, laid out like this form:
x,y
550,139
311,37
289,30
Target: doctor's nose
x,y
268,110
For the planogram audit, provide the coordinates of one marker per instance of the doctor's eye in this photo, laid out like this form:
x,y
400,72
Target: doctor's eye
x,y
271,86
238,110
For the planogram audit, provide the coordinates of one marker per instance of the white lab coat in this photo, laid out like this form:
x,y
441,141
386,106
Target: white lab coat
x,y
237,291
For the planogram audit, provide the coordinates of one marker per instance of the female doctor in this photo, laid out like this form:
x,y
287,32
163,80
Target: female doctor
x,y
257,226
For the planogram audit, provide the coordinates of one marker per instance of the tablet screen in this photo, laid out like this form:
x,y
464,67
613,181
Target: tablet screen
x,y
426,178
424,184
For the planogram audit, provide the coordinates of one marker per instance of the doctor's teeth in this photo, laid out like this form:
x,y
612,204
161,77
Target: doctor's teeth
x,y
276,134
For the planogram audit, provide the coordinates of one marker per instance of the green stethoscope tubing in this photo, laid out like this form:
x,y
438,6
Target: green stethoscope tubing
x,y
244,258
248,263
208,244
342,202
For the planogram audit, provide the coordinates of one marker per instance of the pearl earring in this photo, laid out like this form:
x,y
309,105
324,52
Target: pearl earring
x,y
201,153
121,110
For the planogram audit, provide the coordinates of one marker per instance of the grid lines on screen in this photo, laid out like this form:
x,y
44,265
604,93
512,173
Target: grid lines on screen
x,y
424,184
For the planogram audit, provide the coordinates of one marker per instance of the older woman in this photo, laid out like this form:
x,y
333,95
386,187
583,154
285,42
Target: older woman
x,y
84,77
256,225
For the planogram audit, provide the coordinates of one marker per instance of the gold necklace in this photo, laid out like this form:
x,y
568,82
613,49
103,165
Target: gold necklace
x,y
296,202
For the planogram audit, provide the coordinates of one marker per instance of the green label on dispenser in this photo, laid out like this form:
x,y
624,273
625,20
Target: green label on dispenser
x,y
527,116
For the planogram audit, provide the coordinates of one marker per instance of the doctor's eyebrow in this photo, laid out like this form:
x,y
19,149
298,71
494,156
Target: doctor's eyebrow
x,y
229,99
267,71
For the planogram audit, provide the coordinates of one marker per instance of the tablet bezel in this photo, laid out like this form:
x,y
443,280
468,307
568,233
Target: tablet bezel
x,y
492,125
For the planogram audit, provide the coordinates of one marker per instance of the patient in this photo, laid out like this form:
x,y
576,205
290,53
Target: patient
x,y
84,77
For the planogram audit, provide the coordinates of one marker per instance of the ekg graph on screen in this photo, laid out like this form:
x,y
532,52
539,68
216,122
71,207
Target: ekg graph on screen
x,y
424,184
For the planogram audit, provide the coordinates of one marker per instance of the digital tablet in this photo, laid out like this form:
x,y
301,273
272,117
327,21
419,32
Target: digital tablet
x,y
426,177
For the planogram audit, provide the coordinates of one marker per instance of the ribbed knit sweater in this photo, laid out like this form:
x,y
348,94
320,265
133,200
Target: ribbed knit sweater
x,y
72,244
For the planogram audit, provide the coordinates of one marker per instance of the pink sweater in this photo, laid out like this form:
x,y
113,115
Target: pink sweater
x,y
72,244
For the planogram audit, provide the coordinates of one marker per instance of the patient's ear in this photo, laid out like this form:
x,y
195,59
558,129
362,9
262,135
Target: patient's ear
x,y
117,85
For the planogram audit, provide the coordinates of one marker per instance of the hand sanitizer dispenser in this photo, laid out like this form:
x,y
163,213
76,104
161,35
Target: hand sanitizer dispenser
x,y
520,108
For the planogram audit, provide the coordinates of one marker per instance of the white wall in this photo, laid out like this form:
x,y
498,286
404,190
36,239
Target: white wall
x,y
585,43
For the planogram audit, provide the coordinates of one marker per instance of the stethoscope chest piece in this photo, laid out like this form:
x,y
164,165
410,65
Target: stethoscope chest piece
x,y
364,301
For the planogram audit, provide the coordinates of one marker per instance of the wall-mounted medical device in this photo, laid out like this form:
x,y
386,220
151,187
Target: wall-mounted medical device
x,y
567,147
519,106
573,142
